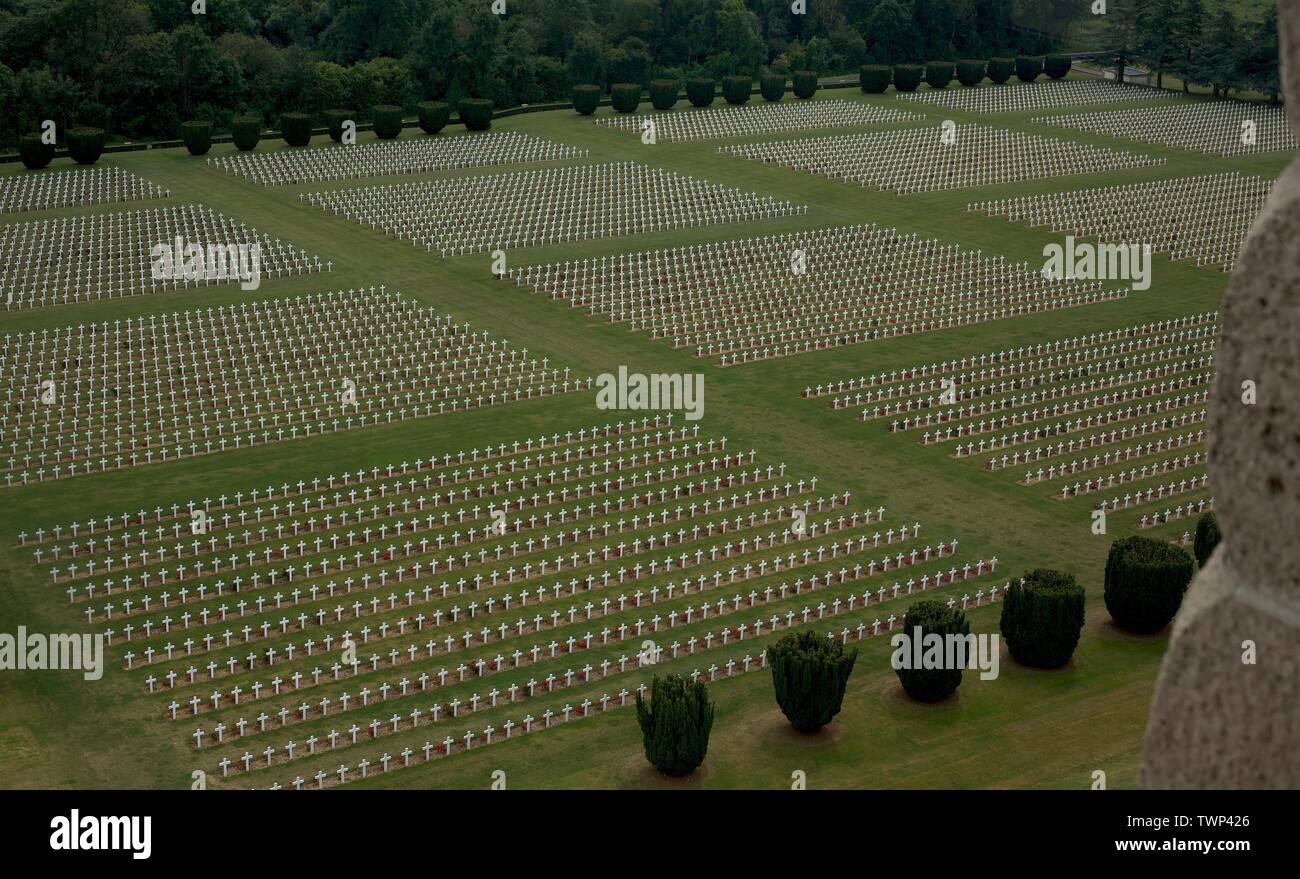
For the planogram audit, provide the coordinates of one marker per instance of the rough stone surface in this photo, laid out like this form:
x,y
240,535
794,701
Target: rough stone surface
x,y
1218,722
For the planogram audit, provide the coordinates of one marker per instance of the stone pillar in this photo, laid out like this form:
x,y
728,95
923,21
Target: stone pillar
x,y
1217,721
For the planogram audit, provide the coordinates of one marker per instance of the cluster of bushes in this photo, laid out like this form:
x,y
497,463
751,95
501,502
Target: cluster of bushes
x,y
875,78
625,97
85,146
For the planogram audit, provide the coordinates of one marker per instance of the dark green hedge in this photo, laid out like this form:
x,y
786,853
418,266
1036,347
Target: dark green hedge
x,y
1042,618
931,684
809,673
246,131
86,145
772,86
939,74
197,136
387,121
1145,582
1207,537
433,115
663,93
295,128
625,96
675,724
586,98
1000,69
970,71
804,83
907,77
34,153
334,120
874,78
701,91
736,89
476,113
1028,67
1057,66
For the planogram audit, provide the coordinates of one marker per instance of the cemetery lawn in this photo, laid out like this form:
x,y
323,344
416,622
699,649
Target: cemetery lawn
x,y
1025,729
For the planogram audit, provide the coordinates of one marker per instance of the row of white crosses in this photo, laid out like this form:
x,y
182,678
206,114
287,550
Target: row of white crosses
x,y
1133,474
91,257
540,207
1120,455
394,157
1196,482
914,160
1186,511
1204,218
39,191
1222,128
1123,433
1035,95
500,730
103,396
778,295
889,394
718,122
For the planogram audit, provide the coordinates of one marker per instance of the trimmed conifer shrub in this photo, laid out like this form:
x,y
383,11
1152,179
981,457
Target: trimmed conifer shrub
x,y
34,153
933,618
433,115
970,72
772,86
810,673
295,128
1042,618
675,724
586,98
387,121
197,135
663,93
1057,66
86,145
907,77
804,83
874,78
701,91
334,120
1028,67
625,97
939,74
246,131
1207,537
1145,582
476,113
1000,69
736,89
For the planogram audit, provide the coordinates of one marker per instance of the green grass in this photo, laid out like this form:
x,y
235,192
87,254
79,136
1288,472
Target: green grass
x,y
1027,728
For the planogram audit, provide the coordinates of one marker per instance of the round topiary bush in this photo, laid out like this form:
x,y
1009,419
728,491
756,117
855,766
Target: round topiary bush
x,y
874,78
86,145
476,113
388,121
932,618
586,98
433,115
334,121
246,131
295,128
1207,537
1000,69
1042,617
939,74
1145,582
1057,66
804,83
625,97
907,77
34,153
197,135
970,72
675,724
736,89
1028,67
663,93
810,673
701,91
772,86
